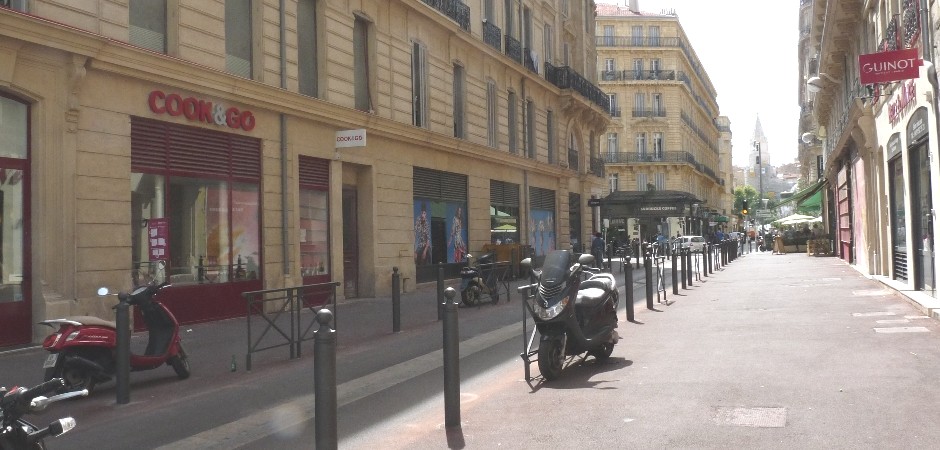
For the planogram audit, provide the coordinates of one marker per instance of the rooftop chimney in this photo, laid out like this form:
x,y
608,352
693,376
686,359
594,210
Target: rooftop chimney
x,y
635,6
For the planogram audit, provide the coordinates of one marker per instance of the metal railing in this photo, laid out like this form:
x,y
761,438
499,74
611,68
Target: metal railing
x,y
660,112
492,35
597,167
513,48
456,10
567,78
637,75
281,310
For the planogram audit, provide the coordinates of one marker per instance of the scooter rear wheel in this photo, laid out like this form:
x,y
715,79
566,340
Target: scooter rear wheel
x,y
469,296
603,352
74,376
180,364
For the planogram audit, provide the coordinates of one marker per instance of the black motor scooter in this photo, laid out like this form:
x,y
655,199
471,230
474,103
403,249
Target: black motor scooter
x,y
572,316
15,432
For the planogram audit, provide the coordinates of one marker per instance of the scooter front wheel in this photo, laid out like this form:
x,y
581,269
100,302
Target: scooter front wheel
x,y
469,296
180,364
603,352
551,359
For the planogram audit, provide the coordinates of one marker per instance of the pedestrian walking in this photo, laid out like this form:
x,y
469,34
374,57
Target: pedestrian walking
x,y
597,249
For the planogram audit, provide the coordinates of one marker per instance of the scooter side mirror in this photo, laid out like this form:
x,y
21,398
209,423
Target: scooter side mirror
x,y
526,262
102,291
585,259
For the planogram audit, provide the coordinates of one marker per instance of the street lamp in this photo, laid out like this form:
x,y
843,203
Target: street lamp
x,y
760,170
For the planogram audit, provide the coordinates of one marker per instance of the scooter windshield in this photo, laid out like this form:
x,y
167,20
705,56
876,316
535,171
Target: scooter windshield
x,y
555,268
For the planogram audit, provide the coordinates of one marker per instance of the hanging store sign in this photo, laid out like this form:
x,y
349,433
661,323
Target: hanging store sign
x,y
197,110
351,138
885,67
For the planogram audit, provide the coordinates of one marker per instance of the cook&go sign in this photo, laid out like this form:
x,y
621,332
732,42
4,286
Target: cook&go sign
x,y
198,110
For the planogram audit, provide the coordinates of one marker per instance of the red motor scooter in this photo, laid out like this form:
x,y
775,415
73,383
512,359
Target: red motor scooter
x,y
82,350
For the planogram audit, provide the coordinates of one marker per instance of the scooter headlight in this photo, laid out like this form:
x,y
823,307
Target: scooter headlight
x,y
550,312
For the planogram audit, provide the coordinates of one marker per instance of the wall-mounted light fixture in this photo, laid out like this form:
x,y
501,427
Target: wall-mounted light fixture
x,y
816,83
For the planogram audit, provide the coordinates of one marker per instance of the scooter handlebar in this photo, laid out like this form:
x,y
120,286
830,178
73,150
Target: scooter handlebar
x,y
42,389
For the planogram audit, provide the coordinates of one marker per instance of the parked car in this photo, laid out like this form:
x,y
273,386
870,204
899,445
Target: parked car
x,y
696,243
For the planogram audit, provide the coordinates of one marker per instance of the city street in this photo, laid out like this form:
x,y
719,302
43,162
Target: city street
x,y
769,352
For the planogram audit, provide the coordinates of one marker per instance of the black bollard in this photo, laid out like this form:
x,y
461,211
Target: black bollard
x,y
628,291
396,300
675,272
688,258
123,351
648,266
324,382
685,268
704,261
440,292
451,361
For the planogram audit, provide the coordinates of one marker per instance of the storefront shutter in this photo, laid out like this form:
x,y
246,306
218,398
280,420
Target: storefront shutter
x,y
438,185
504,194
540,198
185,150
314,172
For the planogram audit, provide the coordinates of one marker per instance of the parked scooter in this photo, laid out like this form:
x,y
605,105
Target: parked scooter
x,y
18,434
572,316
476,280
82,350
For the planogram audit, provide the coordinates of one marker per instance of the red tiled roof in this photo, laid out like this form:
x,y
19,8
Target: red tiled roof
x,y
609,10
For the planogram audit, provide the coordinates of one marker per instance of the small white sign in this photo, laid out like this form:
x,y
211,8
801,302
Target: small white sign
x,y
351,138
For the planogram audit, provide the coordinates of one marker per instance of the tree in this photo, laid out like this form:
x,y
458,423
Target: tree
x,y
749,193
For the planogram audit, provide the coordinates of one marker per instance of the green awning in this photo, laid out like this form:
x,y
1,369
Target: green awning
x,y
800,198
722,219
813,201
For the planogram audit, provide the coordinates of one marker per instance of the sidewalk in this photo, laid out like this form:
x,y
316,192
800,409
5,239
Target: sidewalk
x,y
772,351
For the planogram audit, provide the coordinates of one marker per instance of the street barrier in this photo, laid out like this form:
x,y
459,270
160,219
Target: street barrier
x,y
628,292
451,361
272,305
396,300
324,382
648,267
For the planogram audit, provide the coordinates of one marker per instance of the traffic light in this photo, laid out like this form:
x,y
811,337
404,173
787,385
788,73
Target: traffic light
x,y
744,207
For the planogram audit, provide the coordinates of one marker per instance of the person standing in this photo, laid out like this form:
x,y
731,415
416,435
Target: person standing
x,y
597,249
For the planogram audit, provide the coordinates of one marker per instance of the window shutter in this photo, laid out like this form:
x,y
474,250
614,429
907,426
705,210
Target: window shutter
x,y
314,172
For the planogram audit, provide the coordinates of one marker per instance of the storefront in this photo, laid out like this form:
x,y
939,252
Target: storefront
x,y
15,278
440,212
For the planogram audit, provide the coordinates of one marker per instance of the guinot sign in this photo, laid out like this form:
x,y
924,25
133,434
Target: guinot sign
x,y
885,67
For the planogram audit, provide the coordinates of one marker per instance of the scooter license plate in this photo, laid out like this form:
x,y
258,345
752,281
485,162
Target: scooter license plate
x,y
50,361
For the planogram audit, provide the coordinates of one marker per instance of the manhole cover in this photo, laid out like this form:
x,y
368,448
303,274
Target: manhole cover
x,y
751,417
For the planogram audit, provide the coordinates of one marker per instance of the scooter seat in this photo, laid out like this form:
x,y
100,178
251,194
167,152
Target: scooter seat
x,y
601,280
92,320
590,297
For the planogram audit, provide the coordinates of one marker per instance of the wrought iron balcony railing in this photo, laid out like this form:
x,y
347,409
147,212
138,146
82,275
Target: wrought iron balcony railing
x,y
513,48
566,78
597,167
660,112
528,61
615,111
456,10
637,75
636,41
650,157
492,35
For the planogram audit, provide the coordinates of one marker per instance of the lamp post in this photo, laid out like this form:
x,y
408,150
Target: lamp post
x,y
760,171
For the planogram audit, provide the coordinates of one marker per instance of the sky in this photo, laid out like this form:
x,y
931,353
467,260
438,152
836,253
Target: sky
x,y
749,50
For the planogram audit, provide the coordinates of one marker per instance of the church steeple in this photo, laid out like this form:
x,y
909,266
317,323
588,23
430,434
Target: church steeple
x,y
758,132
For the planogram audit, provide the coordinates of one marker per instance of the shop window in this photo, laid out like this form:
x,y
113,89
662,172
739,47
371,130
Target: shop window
x,y
504,212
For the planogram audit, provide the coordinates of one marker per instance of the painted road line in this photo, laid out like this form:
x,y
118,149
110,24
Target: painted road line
x,y
274,420
902,330
874,314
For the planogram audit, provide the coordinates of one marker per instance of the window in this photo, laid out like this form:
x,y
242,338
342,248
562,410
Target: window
x,y
459,120
530,128
504,212
642,182
147,24
654,35
614,180
655,67
660,181
548,41
419,88
609,65
608,35
307,47
567,55
489,12
614,106
526,29
238,37
19,5
550,129
314,175
510,18
639,104
638,69
14,235
637,35
492,116
613,147
362,76
641,145
564,8
589,17
658,146
658,109
511,110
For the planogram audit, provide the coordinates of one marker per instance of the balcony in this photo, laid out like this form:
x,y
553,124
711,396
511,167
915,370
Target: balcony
x,y
566,78
636,41
597,167
492,35
513,48
573,158
650,157
528,61
659,112
614,111
637,75
456,10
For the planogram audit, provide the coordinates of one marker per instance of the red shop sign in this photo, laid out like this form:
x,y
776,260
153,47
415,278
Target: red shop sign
x,y
885,67
200,110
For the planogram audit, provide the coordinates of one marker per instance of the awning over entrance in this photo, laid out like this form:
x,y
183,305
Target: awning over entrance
x,y
803,198
648,204
722,219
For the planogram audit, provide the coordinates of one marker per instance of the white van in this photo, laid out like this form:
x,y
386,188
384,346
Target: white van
x,y
696,243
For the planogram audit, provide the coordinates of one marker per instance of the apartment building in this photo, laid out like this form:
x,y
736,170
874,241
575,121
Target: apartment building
x,y
874,142
667,149
239,145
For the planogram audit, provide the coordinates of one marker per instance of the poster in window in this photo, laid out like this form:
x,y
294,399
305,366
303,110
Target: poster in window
x,y
245,233
422,214
158,235
542,231
456,233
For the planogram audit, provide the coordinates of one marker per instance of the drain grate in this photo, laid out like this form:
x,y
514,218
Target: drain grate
x,y
751,417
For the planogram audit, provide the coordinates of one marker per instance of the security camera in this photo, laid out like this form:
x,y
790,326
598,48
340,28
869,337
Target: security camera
x,y
814,84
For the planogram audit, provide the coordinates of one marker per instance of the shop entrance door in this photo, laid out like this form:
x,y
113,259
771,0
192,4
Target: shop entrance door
x,y
922,218
350,242
898,218
15,305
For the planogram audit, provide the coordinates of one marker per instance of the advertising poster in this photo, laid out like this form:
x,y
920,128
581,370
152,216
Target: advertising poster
x,y
456,233
158,234
422,214
542,231
245,230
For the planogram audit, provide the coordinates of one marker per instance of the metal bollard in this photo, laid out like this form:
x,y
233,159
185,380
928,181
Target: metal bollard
x,y
324,382
675,272
451,361
123,353
396,300
704,261
440,292
648,266
688,258
685,268
628,291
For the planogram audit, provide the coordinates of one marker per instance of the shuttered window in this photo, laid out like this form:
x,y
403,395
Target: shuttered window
x,y
314,173
190,151
540,198
504,194
438,185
